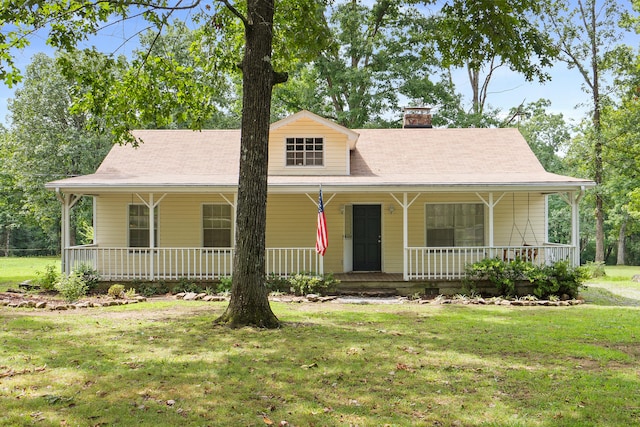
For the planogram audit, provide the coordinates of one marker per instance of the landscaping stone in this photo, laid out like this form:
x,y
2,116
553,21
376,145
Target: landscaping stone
x,y
201,295
190,296
41,304
180,295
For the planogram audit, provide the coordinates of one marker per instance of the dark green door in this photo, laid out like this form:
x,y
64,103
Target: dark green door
x,y
367,238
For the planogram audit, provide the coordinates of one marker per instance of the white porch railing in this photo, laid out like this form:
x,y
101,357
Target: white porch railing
x,y
287,261
449,263
176,263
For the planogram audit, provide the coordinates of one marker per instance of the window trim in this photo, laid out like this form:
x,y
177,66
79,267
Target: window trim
x,y
202,227
156,228
484,223
324,149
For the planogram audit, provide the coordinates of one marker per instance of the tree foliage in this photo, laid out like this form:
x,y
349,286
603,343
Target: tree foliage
x,y
484,35
47,142
587,33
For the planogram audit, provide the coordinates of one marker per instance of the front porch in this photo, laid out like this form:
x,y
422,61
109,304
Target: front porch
x,y
209,264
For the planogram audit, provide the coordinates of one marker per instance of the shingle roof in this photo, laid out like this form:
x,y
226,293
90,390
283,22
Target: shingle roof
x,y
385,157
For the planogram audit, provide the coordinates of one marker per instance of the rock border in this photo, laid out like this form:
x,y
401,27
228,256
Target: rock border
x,y
38,303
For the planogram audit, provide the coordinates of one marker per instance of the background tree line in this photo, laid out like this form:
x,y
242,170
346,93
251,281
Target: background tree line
x,y
369,60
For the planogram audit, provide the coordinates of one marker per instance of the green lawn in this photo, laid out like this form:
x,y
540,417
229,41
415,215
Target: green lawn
x,y
16,270
165,364
616,288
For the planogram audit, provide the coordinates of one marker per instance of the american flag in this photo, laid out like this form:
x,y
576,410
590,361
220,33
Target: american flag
x,y
322,240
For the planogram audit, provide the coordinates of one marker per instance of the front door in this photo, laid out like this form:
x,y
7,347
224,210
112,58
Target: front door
x,y
367,238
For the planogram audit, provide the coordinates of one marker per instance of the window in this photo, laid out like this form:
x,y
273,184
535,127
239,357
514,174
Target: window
x,y
216,226
450,224
305,151
139,226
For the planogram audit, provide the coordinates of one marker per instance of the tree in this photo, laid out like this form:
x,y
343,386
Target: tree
x,y
586,36
372,53
71,22
298,33
47,142
485,35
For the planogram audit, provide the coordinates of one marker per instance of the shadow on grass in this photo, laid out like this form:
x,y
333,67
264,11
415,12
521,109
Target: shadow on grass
x,y
338,365
600,296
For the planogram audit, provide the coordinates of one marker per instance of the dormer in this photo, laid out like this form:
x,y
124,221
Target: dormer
x,y
307,144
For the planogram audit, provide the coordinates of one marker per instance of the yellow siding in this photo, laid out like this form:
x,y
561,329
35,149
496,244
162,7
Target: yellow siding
x,y
179,219
291,221
529,213
335,149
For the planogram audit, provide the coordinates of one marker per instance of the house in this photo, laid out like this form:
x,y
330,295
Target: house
x,y
416,204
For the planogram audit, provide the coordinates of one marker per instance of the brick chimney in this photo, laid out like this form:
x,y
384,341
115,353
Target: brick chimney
x,y
417,117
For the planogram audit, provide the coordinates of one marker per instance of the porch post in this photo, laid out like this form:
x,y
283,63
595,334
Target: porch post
x,y
575,225
491,205
65,236
67,201
405,238
152,239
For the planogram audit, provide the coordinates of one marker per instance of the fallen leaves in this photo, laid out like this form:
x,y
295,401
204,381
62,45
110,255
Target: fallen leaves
x,y
11,372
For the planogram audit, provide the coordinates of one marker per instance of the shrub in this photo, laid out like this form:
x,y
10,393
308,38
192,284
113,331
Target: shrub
x,y
493,270
153,288
561,279
276,283
116,291
558,279
130,293
71,287
224,286
186,285
47,280
303,284
595,269
90,276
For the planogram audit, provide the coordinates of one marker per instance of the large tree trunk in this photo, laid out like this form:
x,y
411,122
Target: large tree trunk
x,y
249,305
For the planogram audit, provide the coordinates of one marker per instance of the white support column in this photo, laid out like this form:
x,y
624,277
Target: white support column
x,y
68,201
491,203
573,199
64,225
575,226
151,205
405,237
405,204
152,237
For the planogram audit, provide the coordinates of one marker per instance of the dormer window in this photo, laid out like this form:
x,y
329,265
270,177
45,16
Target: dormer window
x,y
305,151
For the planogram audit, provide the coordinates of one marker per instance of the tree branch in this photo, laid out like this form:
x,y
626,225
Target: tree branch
x,y
236,12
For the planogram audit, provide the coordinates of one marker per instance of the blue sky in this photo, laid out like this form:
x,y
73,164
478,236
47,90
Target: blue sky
x,y
507,89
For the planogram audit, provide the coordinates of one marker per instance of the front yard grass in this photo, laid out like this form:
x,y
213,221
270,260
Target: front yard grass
x,y
14,270
164,363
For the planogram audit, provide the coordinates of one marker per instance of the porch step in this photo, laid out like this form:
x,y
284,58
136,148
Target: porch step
x,y
380,289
